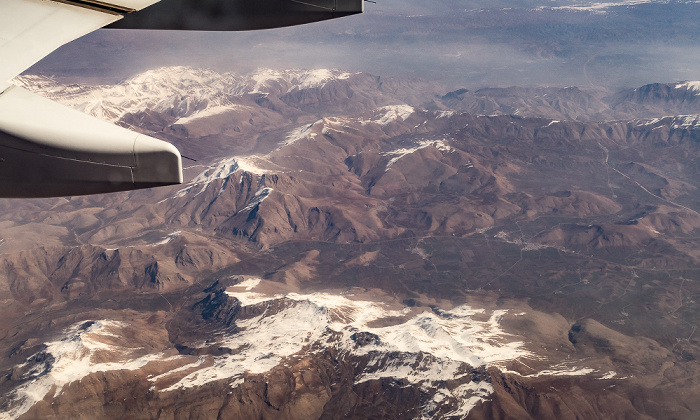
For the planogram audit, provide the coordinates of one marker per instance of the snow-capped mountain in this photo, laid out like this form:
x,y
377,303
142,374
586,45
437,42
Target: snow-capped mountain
x,y
185,99
179,91
444,353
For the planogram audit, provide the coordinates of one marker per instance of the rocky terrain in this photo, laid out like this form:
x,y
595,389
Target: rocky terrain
x,y
350,246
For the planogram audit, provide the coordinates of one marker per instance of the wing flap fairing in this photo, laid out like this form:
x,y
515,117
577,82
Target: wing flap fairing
x,y
236,15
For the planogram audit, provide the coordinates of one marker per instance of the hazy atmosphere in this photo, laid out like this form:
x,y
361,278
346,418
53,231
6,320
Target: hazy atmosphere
x,y
463,43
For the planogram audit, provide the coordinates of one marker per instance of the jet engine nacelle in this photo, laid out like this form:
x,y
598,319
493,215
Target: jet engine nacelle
x,y
48,150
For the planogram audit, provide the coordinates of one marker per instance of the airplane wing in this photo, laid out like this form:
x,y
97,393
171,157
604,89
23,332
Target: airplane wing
x,y
237,15
48,150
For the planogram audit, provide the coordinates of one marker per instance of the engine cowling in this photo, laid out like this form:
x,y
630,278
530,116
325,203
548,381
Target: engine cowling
x,y
49,150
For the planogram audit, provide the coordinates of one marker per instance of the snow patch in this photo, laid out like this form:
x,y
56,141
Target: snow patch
x,y
209,112
609,375
392,113
465,396
600,7
318,78
691,86
249,284
561,370
168,238
72,358
262,79
414,368
676,122
397,154
686,121
264,341
292,80
258,198
221,170
300,133
242,292
445,114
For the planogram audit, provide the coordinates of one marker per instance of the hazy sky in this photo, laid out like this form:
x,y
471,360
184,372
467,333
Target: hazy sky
x,y
461,43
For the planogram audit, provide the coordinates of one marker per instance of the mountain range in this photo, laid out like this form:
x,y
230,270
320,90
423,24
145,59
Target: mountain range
x,y
352,246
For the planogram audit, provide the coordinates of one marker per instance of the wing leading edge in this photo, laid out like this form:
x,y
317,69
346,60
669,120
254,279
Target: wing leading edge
x,y
49,150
